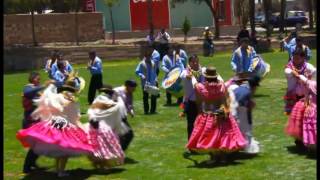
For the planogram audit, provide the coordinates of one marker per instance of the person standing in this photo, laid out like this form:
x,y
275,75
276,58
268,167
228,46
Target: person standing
x,y
182,54
208,46
146,70
67,66
155,57
164,38
31,92
50,62
61,75
189,97
170,61
289,41
299,44
242,57
126,94
95,67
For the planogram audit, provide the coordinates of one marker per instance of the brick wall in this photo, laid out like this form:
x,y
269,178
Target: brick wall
x,y
58,27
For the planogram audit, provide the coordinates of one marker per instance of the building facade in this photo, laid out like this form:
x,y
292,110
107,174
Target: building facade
x,y
132,15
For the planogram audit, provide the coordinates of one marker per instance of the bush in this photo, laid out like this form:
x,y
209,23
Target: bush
x,y
186,26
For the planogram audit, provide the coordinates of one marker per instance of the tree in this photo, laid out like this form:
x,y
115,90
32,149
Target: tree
x,y
282,12
310,14
267,11
243,11
252,13
186,26
110,4
213,6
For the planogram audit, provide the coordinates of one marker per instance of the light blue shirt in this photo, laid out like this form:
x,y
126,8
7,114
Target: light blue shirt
x,y
54,68
96,67
184,57
59,77
155,57
241,61
287,46
168,64
147,73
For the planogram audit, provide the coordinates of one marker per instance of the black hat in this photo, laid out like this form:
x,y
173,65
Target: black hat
x,y
254,81
242,76
244,39
130,83
106,88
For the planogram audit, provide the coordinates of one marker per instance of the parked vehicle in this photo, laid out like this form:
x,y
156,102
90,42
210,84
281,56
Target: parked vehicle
x,y
292,19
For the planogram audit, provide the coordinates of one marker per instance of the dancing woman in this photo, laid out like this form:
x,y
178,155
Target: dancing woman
x,y
215,130
59,134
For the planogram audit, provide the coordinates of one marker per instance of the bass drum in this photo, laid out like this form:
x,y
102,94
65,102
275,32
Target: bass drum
x,y
173,83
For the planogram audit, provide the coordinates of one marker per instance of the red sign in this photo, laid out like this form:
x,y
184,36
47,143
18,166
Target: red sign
x,y
89,5
139,14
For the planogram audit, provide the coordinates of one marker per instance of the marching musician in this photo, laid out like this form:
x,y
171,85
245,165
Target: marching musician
x,y
146,70
182,54
95,67
170,61
67,66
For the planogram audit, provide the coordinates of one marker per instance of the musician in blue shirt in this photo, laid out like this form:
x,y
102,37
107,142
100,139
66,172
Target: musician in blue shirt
x,y
170,61
242,57
95,67
146,70
299,44
67,65
183,55
61,74
155,58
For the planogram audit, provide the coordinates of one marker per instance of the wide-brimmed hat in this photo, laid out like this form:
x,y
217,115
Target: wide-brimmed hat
x,y
242,76
254,81
210,73
106,88
244,39
75,85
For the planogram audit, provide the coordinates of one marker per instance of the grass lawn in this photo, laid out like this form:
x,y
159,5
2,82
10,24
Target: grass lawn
x,y
157,149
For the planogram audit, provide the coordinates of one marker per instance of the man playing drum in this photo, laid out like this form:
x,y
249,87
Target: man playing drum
x,y
146,70
170,61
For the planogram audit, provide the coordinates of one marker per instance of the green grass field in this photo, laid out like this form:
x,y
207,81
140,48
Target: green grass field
x,y
157,149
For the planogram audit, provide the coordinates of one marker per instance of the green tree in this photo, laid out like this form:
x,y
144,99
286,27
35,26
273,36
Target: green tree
x,y
252,13
110,4
268,12
213,6
242,11
282,13
186,26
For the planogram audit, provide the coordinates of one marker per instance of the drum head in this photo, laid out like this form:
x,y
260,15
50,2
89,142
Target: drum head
x,y
171,78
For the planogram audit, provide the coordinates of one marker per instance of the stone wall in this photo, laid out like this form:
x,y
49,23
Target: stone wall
x,y
30,58
56,27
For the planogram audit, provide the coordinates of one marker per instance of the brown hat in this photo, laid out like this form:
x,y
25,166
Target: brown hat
x,y
242,76
210,73
106,88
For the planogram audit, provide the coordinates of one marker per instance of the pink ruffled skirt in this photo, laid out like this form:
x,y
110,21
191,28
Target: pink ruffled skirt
x,y
47,140
310,125
209,135
294,125
107,149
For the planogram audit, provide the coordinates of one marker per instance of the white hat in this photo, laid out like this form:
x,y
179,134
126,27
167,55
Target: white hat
x,y
206,28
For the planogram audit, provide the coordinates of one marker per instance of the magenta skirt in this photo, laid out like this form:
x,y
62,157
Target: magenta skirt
x,y
47,140
310,125
294,125
106,146
209,135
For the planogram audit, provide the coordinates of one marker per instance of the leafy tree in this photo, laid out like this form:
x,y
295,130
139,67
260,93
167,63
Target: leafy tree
x,y
268,11
252,10
282,12
213,6
186,26
110,4
243,11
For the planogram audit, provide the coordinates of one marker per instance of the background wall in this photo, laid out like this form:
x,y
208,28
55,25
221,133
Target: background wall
x,y
59,27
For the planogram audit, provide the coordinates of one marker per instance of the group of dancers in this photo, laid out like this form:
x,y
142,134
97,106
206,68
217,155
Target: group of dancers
x,y
218,113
